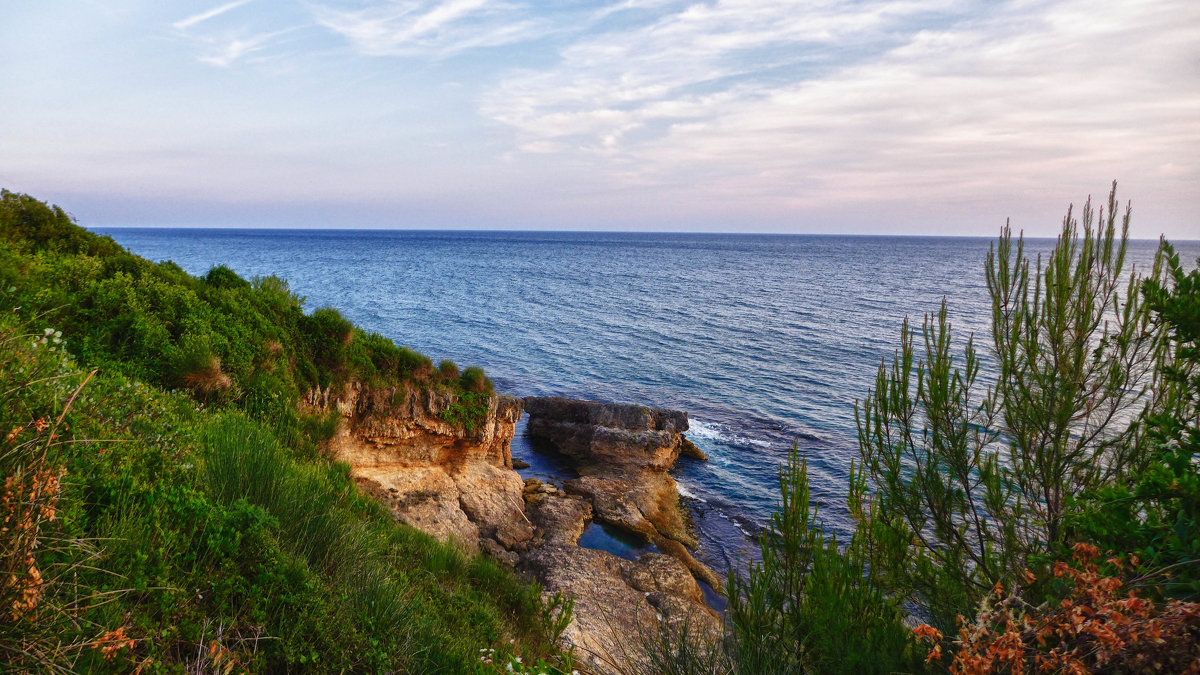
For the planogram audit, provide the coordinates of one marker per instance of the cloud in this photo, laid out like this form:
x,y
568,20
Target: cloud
x,y
421,28
826,102
227,43
224,52
190,21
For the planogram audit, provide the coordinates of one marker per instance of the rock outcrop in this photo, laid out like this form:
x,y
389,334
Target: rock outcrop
x,y
620,603
459,485
623,453
454,483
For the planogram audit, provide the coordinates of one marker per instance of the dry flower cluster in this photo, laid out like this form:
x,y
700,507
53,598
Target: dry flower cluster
x,y
1104,625
207,378
112,642
30,498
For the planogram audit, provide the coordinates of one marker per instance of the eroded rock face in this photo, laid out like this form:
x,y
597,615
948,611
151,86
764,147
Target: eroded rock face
x,y
404,427
454,483
612,434
623,453
619,603
459,486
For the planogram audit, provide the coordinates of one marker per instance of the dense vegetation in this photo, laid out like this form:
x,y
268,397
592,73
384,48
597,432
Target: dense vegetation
x,y
164,505
1042,518
226,339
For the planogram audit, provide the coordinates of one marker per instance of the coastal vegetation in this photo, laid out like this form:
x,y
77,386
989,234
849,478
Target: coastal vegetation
x,y
166,506
1029,506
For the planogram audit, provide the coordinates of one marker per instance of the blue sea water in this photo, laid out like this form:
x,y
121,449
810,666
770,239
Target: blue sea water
x,y
764,340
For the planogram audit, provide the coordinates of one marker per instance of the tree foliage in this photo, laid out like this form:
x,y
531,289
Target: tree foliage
x,y
992,484
972,480
813,605
226,339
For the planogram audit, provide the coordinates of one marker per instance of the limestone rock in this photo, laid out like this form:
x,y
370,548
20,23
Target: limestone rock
x,y
689,449
491,497
459,485
456,484
559,517
623,453
617,602
425,498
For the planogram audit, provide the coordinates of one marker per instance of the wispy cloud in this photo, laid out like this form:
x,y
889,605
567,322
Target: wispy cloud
x,y
795,103
224,52
790,114
422,28
224,43
190,21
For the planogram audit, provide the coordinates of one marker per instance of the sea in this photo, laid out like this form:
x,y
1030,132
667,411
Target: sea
x,y
766,341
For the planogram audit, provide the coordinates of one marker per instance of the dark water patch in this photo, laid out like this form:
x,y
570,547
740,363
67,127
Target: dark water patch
x,y
716,601
604,537
544,463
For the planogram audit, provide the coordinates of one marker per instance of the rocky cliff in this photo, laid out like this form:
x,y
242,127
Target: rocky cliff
x,y
454,483
458,485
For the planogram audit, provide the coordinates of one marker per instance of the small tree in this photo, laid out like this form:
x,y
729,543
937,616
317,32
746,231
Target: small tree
x,y
972,481
812,605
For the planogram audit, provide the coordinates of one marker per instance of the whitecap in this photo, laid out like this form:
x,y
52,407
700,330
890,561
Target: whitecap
x,y
706,431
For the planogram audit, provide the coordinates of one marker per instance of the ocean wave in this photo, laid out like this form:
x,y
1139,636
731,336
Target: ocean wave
x,y
737,523
712,432
685,492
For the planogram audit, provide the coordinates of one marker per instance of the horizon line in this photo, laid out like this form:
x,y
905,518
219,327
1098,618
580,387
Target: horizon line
x,y
428,230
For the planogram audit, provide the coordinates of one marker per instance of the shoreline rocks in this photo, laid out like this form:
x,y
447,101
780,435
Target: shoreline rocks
x,y
459,485
623,454
619,603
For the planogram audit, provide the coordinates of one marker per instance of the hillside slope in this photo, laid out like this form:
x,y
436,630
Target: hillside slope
x,y
166,504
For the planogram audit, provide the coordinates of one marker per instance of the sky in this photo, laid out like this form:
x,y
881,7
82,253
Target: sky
x,y
866,117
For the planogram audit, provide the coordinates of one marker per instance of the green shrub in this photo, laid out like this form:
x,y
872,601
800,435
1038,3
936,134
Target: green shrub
x,y
208,536
223,277
1154,514
972,482
812,606
474,381
125,313
469,411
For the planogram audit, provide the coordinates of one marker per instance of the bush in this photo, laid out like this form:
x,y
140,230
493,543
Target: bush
x,y
203,537
144,320
1089,433
1102,625
1154,514
473,380
223,277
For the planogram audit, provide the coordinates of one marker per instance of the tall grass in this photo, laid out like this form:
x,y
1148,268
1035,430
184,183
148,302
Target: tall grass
x,y
243,460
